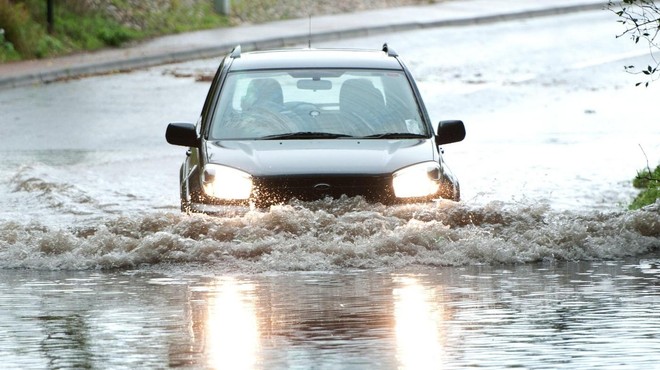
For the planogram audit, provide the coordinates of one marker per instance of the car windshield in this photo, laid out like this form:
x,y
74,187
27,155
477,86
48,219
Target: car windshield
x,y
324,104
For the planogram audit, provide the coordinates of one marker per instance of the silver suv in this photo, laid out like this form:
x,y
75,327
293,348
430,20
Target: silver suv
x,y
310,124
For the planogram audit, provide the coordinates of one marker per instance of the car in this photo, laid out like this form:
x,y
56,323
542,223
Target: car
x,y
309,124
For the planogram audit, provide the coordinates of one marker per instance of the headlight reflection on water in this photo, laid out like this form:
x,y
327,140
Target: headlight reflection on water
x,y
417,320
234,333
232,328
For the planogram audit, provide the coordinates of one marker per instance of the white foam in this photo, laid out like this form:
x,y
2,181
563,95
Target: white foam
x,y
335,235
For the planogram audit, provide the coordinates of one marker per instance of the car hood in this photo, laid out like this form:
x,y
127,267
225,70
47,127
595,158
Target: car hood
x,y
304,157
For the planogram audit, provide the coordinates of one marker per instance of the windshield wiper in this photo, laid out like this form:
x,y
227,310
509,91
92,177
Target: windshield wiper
x,y
304,135
397,135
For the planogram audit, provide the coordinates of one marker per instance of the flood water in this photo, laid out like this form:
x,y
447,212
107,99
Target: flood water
x,y
540,266
549,315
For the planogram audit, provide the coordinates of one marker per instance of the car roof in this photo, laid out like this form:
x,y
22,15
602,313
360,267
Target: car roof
x,y
314,58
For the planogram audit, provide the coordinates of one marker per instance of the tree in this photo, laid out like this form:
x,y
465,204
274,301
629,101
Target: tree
x,y
641,21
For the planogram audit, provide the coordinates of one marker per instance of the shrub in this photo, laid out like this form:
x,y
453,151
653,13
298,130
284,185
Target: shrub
x,y
92,31
20,29
47,46
115,36
7,51
649,183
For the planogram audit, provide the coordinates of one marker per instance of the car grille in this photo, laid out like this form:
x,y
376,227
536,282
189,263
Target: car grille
x,y
278,189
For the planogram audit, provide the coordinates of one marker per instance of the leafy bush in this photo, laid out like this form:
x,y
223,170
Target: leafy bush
x,y
49,45
92,31
115,36
184,18
20,30
649,183
7,51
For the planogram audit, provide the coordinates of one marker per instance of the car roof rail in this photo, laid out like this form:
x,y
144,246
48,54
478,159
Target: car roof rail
x,y
390,52
236,52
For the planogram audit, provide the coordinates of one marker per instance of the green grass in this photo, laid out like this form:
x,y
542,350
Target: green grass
x,y
649,184
77,28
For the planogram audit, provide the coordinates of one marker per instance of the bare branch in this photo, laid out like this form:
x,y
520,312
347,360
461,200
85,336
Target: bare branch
x,y
641,21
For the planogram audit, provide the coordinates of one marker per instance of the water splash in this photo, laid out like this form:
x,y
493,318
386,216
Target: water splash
x,y
49,189
333,235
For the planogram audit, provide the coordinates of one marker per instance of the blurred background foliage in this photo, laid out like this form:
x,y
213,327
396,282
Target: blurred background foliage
x,y
84,25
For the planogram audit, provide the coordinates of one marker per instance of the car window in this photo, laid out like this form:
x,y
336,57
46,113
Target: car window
x,y
356,103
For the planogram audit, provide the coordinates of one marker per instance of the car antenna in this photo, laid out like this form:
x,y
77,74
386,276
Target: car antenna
x,y
309,39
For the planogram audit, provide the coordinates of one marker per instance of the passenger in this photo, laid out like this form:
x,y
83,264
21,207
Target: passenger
x,y
262,107
361,106
263,93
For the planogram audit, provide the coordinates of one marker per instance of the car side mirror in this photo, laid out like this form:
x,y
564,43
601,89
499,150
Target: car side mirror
x,y
450,132
183,134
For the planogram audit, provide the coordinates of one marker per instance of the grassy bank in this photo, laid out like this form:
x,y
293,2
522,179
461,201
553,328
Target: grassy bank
x,y
81,27
87,25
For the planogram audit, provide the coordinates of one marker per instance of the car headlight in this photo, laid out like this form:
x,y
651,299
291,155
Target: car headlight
x,y
226,182
419,180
